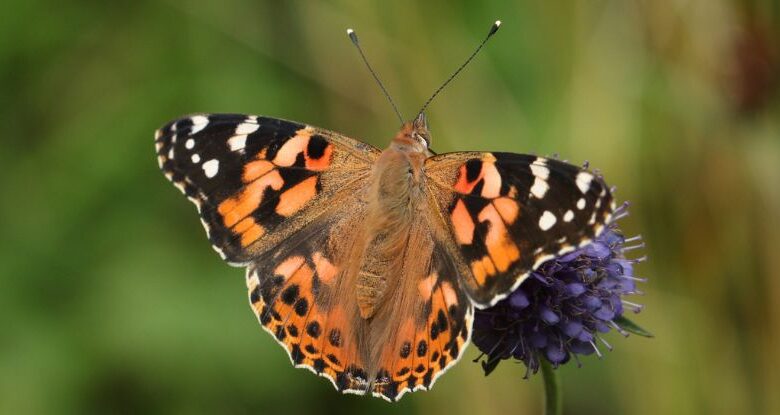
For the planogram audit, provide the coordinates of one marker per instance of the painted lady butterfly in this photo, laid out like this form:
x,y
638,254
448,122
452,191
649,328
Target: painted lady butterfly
x,y
366,265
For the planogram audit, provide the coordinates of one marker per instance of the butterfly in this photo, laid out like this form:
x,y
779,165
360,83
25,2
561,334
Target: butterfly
x,y
366,265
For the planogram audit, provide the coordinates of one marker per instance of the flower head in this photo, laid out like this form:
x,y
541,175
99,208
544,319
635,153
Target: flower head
x,y
564,307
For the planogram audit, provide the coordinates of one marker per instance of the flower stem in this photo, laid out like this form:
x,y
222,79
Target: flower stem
x,y
552,390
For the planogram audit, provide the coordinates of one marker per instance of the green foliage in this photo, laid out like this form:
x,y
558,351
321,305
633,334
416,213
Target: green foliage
x,y
112,301
631,327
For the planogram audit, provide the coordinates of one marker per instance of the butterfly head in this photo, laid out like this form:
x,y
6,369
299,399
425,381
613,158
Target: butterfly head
x,y
413,136
420,129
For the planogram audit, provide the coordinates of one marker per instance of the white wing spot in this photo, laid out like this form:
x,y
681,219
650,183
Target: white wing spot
x,y
189,144
583,181
211,168
170,154
180,186
592,219
547,220
568,216
539,188
246,128
237,142
199,122
195,158
581,203
540,172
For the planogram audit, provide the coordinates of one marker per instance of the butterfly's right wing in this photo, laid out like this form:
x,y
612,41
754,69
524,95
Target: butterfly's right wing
x,y
431,324
508,213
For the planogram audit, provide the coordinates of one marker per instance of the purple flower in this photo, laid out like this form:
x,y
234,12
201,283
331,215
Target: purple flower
x,y
565,306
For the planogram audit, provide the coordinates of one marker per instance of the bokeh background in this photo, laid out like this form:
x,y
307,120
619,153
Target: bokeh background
x,y
112,301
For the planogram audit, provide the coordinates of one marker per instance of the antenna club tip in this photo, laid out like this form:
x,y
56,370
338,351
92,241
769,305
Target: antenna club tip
x,y
494,28
352,36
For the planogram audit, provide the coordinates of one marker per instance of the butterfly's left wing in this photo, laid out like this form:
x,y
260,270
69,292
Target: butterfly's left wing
x,y
508,213
257,181
297,290
284,199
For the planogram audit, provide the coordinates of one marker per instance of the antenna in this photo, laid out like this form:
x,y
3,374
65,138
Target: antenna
x,y
354,38
493,30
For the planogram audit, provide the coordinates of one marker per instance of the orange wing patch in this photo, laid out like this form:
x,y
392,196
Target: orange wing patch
x,y
294,199
508,213
316,339
257,169
426,346
288,196
316,155
462,224
482,173
485,201
502,250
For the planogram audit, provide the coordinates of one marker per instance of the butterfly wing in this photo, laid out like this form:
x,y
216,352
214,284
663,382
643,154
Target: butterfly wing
x,y
256,181
281,198
431,328
294,290
508,213
302,295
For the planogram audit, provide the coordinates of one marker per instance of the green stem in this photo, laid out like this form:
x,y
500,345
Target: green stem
x,y
552,390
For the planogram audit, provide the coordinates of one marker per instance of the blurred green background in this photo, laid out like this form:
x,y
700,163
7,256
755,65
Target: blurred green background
x,y
112,301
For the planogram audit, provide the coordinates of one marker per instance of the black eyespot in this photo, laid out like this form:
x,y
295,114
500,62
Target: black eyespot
x,y
422,348
406,349
335,337
313,329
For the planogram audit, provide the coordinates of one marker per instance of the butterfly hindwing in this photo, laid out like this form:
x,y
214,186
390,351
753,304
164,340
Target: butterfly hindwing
x,y
508,213
293,291
430,335
256,180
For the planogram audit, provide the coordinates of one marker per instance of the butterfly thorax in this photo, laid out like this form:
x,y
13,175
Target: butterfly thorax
x,y
394,200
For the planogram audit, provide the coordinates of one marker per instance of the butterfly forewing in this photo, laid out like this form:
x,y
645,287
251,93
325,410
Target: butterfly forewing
x,y
508,213
256,180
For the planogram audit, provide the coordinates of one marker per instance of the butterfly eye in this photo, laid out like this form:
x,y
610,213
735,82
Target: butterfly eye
x,y
422,138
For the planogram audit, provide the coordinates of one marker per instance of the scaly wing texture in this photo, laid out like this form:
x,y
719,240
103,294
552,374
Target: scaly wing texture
x,y
294,291
431,331
508,213
304,296
256,180
281,198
